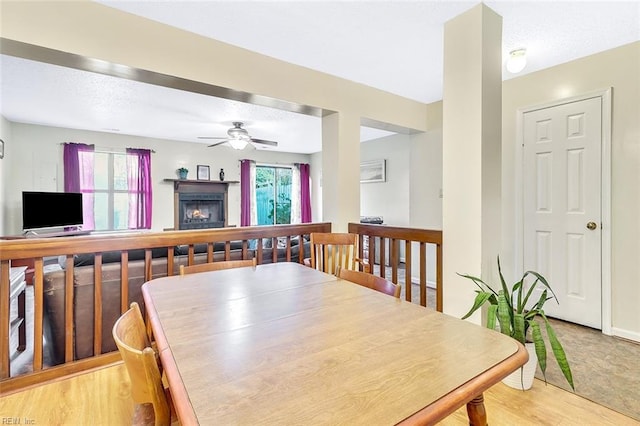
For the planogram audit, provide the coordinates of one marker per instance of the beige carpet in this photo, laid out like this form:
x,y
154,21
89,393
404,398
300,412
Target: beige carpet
x,y
605,369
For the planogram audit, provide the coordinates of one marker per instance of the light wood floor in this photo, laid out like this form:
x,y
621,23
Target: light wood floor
x,y
102,397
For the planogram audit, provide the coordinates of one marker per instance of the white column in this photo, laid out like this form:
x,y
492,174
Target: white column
x,y
472,105
340,170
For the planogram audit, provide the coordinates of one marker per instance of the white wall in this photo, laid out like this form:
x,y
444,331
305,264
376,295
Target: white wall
x,y
316,186
411,195
5,135
620,69
426,172
471,153
388,199
36,156
426,185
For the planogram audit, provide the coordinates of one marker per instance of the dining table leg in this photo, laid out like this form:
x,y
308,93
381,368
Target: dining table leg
x,y
476,412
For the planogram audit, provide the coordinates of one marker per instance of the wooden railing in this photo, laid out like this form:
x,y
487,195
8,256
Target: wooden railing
x,y
42,249
379,235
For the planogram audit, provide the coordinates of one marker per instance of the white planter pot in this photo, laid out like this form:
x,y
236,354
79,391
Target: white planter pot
x,y
522,378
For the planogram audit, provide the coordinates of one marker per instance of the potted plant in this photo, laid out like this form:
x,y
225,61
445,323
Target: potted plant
x,y
508,306
182,172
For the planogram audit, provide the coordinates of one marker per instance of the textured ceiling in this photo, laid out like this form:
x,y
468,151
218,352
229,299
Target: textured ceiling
x,y
391,45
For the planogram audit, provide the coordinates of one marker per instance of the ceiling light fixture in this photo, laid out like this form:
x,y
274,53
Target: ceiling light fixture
x,y
239,143
517,60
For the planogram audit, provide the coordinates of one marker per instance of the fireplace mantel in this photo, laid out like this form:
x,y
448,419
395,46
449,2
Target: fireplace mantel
x,y
178,182
207,193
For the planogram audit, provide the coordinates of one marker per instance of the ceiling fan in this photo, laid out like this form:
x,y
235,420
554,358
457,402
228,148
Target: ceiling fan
x,y
238,137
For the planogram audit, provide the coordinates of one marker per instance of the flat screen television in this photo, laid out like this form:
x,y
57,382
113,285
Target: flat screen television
x,y
51,209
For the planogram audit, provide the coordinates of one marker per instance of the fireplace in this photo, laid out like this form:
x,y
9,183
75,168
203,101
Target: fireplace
x,y
199,204
200,210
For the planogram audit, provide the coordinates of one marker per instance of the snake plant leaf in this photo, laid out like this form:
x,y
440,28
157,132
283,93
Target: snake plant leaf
x,y
477,281
542,301
504,283
519,328
518,287
543,281
491,316
541,348
535,309
531,289
558,352
504,314
480,300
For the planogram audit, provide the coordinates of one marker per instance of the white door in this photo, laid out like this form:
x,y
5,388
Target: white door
x,y
562,206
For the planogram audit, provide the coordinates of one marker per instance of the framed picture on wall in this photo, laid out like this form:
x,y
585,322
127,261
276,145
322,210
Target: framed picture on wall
x,y
373,171
1,148
203,172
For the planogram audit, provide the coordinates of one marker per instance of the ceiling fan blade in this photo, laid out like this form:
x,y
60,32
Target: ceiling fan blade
x,y
211,137
217,143
264,142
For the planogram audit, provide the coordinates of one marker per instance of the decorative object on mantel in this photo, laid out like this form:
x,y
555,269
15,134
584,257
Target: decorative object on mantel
x,y
182,172
221,175
203,172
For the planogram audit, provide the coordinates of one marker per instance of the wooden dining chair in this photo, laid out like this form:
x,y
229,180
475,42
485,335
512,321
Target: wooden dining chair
x,y
370,281
332,250
147,390
217,266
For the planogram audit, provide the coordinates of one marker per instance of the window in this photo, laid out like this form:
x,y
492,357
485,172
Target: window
x,y
111,193
116,186
273,195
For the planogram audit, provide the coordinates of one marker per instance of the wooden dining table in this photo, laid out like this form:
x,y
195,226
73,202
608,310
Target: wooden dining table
x,y
284,344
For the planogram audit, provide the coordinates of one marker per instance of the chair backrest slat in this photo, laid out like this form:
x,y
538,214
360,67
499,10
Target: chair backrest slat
x,y
129,333
217,266
370,281
332,250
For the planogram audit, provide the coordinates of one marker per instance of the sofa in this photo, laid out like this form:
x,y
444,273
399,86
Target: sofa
x,y
83,283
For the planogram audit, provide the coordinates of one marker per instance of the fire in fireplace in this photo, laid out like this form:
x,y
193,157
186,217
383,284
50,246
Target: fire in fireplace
x,y
201,210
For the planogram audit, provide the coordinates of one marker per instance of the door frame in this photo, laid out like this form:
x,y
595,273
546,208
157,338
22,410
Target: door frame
x,y
605,158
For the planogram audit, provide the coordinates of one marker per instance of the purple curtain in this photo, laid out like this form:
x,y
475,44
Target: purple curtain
x,y
245,192
305,194
139,183
78,177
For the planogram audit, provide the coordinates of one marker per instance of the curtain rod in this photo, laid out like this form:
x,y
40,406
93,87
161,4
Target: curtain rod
x,y
277,165
109,150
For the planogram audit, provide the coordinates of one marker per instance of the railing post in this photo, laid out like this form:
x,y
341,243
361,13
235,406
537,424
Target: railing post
x,y
5,370
38,313
439,289
394,235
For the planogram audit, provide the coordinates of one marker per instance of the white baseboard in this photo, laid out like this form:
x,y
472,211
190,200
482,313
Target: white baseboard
x,y
416,281
626,334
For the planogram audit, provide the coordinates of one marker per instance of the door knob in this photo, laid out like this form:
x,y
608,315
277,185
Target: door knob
x,y
591,226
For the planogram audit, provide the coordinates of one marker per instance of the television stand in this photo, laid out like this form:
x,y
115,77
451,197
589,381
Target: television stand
x,y
75,233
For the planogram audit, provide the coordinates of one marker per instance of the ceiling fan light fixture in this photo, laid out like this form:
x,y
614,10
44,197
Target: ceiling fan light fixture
x,y
517,60
239,143
238,138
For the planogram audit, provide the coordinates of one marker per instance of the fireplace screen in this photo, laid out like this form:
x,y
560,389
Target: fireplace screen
x,y
199,211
